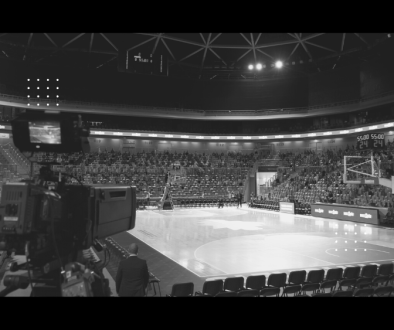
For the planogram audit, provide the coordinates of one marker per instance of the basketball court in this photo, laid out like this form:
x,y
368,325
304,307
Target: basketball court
x,y
212,243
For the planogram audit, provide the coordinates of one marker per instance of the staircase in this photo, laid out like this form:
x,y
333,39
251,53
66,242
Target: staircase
x,y
164,199
14,157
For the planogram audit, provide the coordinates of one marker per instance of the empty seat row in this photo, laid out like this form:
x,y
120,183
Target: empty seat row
x,y
366,281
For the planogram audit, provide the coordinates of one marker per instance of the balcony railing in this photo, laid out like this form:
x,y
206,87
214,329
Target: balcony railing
x,y
199,112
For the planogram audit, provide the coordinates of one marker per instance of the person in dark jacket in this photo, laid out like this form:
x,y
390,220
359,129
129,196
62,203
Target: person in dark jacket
x,y
239,199
132,276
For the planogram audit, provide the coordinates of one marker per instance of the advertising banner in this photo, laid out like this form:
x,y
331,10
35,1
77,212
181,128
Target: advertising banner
x,y
267,169
346,212
286,207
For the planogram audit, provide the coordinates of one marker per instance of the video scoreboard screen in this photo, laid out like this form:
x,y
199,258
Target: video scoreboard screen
x,y
370,141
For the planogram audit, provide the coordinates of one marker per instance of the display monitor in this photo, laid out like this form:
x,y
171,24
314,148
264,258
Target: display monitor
x,y
45,132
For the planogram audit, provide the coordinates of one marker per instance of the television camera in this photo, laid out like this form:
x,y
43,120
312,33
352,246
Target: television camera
x,y
55,223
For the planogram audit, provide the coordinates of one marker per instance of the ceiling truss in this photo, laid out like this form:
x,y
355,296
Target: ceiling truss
x,y
212,44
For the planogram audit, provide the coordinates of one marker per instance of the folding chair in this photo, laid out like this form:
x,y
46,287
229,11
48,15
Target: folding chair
x,y
350,275
226,294
276,281
269,292
182,290
328,294
383,291
332,277
313,280
211,288
383,275
248,293
233,284
363,292
293,285
348,293
255,282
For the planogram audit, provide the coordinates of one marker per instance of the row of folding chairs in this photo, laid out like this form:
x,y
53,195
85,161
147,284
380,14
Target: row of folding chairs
x,y
366,281
205,202
268,205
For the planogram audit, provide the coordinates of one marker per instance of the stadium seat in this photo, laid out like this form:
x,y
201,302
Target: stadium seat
x,y
211,288
255,282
313,280
277,280
248,293
383,291
182,290
348,293
350,275
227,294
322,294
363,292
233,284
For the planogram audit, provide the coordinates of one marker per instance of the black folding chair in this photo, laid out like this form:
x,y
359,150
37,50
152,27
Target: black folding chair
x,y
234,284
328,294
383,291
182,290
350,276
248,293
227,294
269,292
255,282
383,275
211,288
330,281
367,275
313,280
348,293
363,292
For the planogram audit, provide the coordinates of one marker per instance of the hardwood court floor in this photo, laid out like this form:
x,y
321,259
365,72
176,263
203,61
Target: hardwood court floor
x,y
216,243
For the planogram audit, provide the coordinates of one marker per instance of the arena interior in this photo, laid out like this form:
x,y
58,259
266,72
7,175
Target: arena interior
x,y
300,125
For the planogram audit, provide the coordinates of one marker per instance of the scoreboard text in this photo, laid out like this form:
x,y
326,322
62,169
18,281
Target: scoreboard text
x,y
370,141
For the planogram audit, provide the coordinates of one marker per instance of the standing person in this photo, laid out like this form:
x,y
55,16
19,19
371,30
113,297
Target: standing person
x,y
148,198
239,199
132,276
167,177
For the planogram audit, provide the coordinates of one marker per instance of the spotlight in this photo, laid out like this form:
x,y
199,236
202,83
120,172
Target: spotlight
x,y
28,104
57,87
38,79
250,67
47,87
47,96
38,103
28,79
279,64
38,96
57,104
48,104
57,95
259,66
47,79
28,87
57,79
28,95
38,87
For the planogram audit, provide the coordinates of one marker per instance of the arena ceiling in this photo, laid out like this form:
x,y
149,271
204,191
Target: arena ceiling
x,y
201,55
